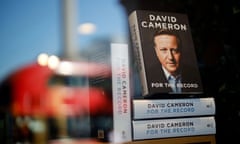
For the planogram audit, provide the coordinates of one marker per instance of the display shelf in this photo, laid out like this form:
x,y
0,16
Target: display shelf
x,y
206,139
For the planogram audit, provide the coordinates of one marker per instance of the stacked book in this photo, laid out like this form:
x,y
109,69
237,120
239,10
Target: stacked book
x,y
171,102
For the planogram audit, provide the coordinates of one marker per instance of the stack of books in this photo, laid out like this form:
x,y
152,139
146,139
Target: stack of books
x,y
163,50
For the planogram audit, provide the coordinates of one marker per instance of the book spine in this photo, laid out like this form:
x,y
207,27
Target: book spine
x,y
164,128
138,53
121,93
155,108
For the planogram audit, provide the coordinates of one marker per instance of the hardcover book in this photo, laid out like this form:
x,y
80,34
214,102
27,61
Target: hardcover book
x,y
121,93
164,53
163,108
176,127
117,126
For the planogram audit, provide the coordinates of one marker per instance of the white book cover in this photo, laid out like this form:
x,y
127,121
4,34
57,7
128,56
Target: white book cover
x,y
112,121
121,93
165,128
160,108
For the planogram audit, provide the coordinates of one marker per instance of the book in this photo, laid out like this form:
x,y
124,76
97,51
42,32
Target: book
x,y
175,127
117,126
162,108
121,93
164,51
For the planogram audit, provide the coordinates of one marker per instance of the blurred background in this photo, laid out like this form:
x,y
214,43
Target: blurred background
x,y
33,33
29,28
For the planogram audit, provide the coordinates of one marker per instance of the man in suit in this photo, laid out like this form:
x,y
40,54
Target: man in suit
x,y
176,77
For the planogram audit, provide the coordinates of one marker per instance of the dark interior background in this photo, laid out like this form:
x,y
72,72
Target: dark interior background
x,y
215,30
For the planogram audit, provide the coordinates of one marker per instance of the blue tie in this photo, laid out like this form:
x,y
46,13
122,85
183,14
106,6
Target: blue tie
x,y
173,83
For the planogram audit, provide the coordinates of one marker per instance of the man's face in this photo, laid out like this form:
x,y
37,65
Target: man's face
x,y
168,52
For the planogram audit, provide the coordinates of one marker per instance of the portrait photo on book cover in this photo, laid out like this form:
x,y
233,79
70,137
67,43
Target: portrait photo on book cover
x,y
172,66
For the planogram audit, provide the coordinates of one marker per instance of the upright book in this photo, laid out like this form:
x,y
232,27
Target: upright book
x,y
117,126
164,53
121,93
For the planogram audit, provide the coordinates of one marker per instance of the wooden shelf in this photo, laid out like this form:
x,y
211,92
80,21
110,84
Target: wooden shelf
x,y
208,139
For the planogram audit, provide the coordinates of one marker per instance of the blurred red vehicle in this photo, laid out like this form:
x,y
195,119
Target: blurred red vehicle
x,y
38,90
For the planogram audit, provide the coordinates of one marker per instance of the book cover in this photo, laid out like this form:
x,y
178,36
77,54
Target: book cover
x,y
117,126
121,93
164,53
176,127
163,108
